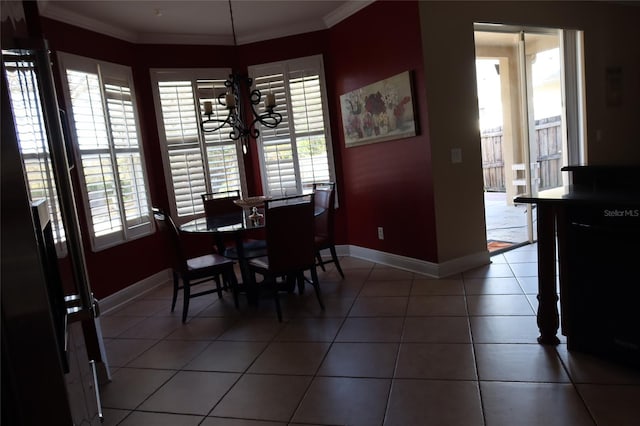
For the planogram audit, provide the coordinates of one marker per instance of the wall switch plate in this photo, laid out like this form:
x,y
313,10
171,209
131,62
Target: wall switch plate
x,y
380,233
456,155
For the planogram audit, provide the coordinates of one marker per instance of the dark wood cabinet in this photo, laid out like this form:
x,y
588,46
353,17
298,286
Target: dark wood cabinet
x,y
595,226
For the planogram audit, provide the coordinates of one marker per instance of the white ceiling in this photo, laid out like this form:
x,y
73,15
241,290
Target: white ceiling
x,y
200,21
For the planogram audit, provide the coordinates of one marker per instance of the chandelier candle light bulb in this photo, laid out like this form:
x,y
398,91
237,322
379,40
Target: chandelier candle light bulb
x,y
208,108
230,100
270,100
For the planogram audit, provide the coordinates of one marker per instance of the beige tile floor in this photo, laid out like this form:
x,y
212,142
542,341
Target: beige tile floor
x,y
392,348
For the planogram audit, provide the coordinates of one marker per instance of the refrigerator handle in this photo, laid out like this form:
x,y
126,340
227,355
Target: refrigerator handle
x,y
58,151
67,139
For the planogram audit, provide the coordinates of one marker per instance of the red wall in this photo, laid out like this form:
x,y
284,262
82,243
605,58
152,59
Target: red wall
x,y
386,184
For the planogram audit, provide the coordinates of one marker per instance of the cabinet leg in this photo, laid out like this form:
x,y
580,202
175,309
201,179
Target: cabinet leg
x,y
547,318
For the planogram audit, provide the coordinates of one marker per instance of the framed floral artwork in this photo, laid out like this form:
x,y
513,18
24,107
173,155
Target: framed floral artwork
x,y
379,112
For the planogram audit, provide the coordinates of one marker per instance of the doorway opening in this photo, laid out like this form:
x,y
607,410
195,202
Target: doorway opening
x,y
522,94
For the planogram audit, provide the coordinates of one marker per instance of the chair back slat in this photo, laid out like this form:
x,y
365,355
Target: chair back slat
x,y
218,203
164,222
290,233
324,196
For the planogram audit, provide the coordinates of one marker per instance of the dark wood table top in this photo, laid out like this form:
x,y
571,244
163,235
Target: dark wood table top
x,y
224,223
229,222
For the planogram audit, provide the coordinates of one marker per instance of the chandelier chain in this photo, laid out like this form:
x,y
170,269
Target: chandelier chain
x,y
232,101
233,26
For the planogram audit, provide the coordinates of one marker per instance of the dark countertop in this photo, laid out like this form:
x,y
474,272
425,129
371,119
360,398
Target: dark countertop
x,y
580,195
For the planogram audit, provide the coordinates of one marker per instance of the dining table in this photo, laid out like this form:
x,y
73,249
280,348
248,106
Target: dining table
x,y
236,226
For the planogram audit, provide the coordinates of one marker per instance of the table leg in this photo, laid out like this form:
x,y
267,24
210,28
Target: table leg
x,y
547,297
248,281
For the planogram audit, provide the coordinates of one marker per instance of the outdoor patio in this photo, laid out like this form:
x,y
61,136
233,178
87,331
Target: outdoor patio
x,y
505,223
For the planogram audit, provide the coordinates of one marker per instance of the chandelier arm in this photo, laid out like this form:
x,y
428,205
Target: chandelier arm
x,y
227,120
239,130
213,120
237,126
222,96
233,135
230,82
254,99
269,119
253,132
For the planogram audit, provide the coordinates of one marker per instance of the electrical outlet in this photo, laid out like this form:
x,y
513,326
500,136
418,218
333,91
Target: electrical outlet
x,y
380,233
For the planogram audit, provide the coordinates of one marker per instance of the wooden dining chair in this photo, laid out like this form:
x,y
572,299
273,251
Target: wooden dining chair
x,y
222,203
324,224
290,248
216,203
194,271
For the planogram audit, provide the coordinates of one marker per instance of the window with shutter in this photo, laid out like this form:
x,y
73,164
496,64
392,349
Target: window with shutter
x,y
32,138
104,126
196,162
297,152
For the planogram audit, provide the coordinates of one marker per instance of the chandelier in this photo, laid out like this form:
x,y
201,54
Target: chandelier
x,y
232,101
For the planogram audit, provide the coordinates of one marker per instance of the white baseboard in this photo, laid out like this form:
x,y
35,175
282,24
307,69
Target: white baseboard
x,y
436,270
465,263
133,291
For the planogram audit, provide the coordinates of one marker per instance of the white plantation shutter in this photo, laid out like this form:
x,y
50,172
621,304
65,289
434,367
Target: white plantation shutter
x,y
297,152
309,125
223,165
196,162
181,140
105,127
278,163
32,138
221,151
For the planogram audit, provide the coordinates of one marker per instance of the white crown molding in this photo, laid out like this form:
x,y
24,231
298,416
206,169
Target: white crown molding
x,y
329,20
289,30
52,11
344,11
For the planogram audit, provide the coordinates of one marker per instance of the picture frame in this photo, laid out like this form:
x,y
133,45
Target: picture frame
x,y
379,112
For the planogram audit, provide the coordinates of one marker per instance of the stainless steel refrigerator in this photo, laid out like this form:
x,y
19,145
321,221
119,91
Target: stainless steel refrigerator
x,y
52,354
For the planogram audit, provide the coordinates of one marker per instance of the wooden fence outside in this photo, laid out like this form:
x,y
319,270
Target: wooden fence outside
x,y
549,142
